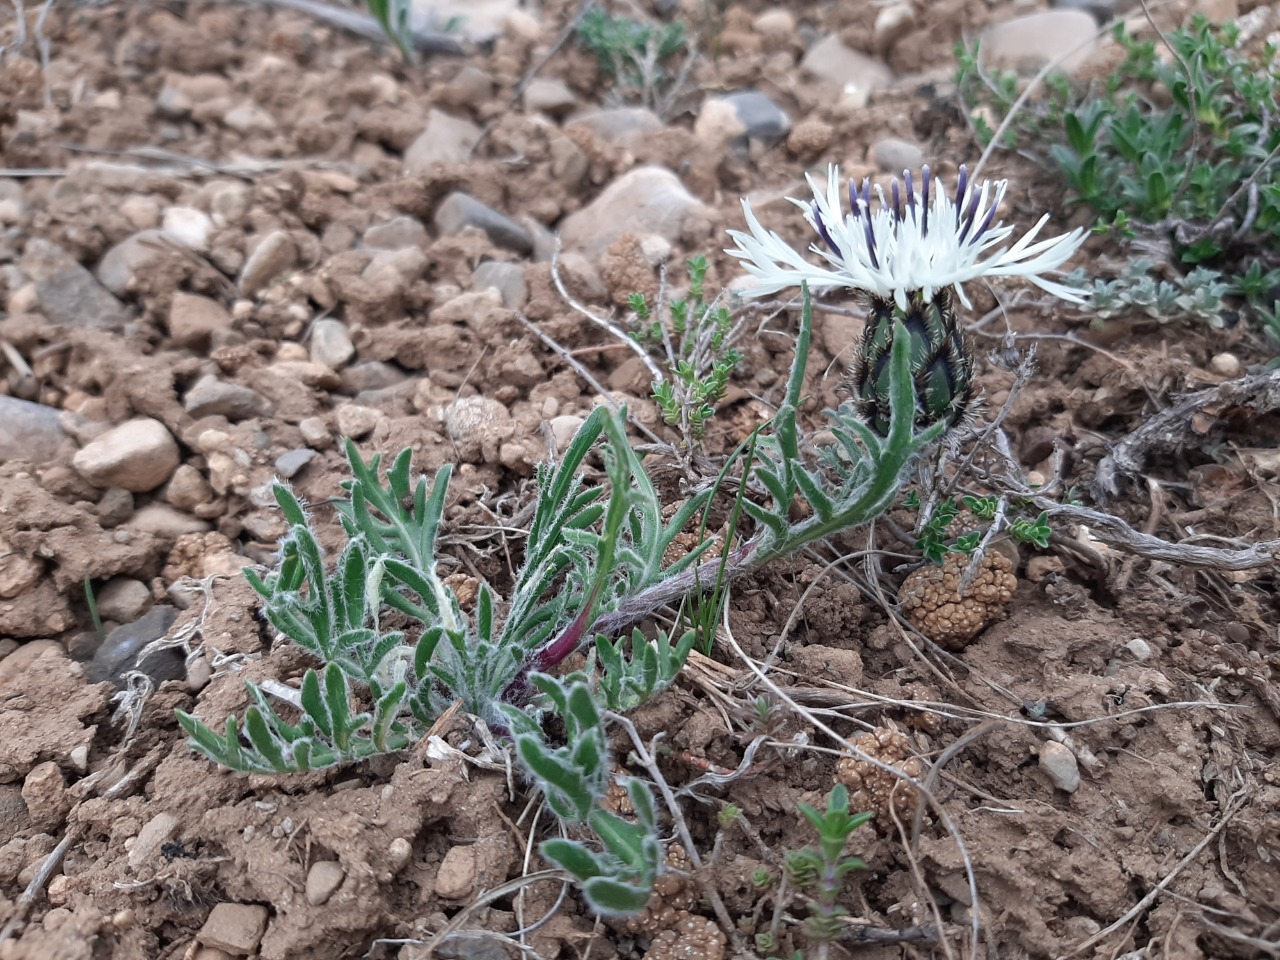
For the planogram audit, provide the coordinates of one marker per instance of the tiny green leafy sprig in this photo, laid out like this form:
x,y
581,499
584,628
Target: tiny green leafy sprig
x,y
822,869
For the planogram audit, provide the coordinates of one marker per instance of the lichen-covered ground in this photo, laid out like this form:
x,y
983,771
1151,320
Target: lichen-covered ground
x,y
234,234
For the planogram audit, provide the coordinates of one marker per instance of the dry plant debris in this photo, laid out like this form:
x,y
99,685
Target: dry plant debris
x,y
877,791
930,597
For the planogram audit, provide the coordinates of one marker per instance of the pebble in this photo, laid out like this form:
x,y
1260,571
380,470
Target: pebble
x,y
288,464
445,139
1101,10
892,24
399,853
45,793
396,234
188,227
123,599
894,155
479,425
854,72
480,22
120,650
274,255
330,344
324,877
765,120
1139,649
143,213
237,928
155,833
1027,43
643,200
211,397
30,431
617,123
370,375
1226,365
457,875
187,489
777,24
165,521
550,96
131,257
193,319
461,210
68,293
564,428
316,433
138,455
247,118
18,573
506,278
229,202
356,421
1060,765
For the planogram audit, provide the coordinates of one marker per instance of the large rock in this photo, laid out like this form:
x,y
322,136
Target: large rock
x,y
851,70
445,139
138,455
68,293
643,200
274,256
130,257
1027,43
29,431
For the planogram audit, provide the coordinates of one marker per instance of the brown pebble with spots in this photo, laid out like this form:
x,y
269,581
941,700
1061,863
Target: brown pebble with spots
x,y
874,790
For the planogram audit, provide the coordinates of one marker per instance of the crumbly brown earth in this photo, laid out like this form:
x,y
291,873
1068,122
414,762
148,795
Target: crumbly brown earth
x,y
1108,748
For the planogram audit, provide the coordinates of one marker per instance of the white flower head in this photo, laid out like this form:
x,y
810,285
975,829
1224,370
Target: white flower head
x,y
911,243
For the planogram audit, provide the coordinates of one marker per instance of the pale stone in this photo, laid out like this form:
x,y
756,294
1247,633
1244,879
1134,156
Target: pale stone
x,y
138,455
1059,764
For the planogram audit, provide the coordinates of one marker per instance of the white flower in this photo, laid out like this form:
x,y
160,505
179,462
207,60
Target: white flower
x,y
925,244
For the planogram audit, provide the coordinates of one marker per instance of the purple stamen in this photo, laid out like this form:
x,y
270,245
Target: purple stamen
x,y
897,202
986,223
969,214
866,195
911,194
871,244
924,202
962,185
853,198
821,227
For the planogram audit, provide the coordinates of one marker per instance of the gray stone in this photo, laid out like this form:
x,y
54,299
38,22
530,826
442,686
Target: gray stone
x,y
68,293
288,464
615,123
357,421
892,24
188,227
194,319
316,433
851,70
445,139
213,397
234,928
138,455
114,508
249,118
165,521
154,834
187,489
123,599
274,255
30,431
763,119
1101,10
894,155
324,877
370,375
396,234
331,344
123,646
130,257
1060,765
564,428
460,210
643,200
506,278
549,95
480,21
1027,43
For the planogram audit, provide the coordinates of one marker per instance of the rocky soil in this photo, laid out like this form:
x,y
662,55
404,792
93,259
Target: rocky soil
x,y
232,235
